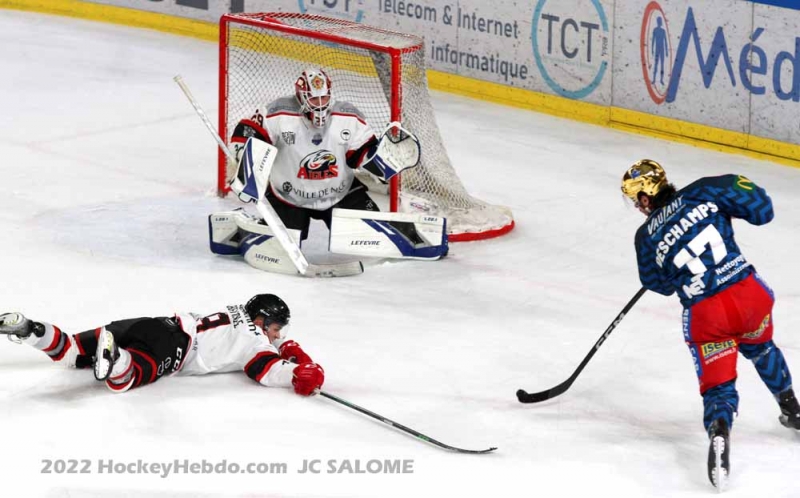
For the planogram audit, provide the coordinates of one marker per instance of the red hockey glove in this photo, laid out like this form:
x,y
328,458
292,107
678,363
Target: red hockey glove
x,y
308,377
291,351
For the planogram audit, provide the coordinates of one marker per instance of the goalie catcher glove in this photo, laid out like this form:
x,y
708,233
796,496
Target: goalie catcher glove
x,y
291,351
397,150
307,378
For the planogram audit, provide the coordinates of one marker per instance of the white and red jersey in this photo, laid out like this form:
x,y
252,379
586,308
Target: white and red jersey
x,y
314,166
229,341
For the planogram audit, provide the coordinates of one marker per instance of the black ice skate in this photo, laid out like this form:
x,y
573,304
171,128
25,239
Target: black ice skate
x,y
790,409
107,354
719,452
17,327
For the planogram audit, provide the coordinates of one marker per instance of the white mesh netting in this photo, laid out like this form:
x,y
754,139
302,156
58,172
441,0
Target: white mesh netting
x,y
263,62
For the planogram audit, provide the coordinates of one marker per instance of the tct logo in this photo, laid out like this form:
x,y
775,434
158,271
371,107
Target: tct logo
x,y
656,52
352,10
571,50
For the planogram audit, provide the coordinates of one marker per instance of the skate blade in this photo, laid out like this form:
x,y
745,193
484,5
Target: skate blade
x,y
719,475
784,420
104,362
102,366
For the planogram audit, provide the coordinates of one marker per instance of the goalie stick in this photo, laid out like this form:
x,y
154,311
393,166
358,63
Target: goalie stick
x,y
401,427
526,397
268,212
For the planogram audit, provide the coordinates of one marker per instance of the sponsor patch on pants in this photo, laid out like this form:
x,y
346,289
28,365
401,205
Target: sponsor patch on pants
x,y
712,351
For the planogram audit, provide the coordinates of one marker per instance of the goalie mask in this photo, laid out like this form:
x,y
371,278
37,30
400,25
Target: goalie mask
x,y
644,177
271,308
313,91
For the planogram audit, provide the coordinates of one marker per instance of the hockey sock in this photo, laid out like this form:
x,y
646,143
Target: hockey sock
x,y
770,365
55,343
720,401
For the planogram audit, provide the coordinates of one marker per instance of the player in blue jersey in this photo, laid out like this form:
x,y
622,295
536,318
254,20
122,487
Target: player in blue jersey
x,y
687,247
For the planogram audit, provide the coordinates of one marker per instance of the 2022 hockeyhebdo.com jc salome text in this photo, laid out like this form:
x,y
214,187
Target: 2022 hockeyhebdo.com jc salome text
x,y
164,469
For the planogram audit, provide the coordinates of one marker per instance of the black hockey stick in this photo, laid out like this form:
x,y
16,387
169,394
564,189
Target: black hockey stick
x,y
526,397
400,426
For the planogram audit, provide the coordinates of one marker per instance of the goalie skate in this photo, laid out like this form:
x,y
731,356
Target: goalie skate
x,y
719,451
107,354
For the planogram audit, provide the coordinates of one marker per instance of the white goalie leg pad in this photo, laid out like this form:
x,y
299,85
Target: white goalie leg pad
x,y
388,235
224,235
251,182
239,233
261,249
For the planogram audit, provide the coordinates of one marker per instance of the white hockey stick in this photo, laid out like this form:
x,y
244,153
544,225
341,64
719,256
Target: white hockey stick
x,y
271,217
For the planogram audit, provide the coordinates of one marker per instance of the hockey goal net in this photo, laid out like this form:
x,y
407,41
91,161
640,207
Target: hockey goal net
x,y
381,72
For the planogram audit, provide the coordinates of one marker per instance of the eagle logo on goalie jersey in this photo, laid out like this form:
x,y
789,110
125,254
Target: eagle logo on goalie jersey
x,y
319,165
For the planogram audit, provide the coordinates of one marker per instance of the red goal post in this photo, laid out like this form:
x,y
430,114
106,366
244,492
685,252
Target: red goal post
x,y
379,71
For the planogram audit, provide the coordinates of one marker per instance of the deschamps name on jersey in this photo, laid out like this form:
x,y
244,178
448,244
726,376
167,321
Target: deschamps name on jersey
x,y
357,466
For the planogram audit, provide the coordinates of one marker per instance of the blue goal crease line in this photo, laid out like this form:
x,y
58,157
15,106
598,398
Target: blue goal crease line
x,y
786,4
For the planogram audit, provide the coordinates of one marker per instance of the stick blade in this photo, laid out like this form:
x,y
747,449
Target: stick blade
x,y
526,397
477,452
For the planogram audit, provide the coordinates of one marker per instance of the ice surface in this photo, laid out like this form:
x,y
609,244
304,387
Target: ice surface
x,y
108,179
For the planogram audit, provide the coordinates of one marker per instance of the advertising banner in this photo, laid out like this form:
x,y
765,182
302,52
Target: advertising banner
x,y
725,64
786,4
559,47
773,74
200,10
684,59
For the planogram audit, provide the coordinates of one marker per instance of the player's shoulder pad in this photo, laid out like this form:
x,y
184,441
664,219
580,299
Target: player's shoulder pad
x,y
284,104
341,107
714,185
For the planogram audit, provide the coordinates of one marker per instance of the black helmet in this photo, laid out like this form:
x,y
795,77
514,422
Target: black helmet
x,y
270,307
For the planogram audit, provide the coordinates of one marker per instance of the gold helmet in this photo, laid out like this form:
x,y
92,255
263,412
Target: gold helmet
x,y
645,176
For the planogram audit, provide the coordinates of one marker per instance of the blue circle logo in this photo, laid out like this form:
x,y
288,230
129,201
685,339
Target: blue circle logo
x,y
561,34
